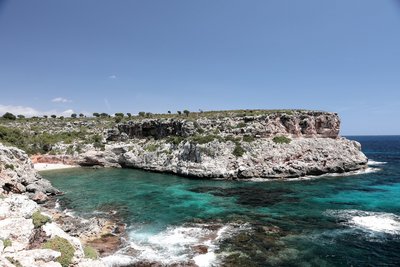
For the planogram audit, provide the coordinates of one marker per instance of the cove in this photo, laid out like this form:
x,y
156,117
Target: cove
x,y
326,221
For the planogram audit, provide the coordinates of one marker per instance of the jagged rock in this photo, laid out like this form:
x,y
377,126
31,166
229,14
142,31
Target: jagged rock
x,y
294,123
262,158
18,230
17,174
17,206
36,257
40,198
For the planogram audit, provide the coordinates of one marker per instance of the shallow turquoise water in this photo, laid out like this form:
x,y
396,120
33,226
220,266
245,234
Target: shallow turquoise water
x,y
330,221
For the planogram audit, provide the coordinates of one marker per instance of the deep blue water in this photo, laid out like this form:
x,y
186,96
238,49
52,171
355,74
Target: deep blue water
x,y
328,221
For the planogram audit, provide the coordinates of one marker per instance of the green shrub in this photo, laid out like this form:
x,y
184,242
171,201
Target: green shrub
x,y
90,253
152,147
13,137
118,119
176,140
204,139
62,245
13,261
248,138
9,116
281,139
231,138
7,243
238,151
241,125
9,166
39,219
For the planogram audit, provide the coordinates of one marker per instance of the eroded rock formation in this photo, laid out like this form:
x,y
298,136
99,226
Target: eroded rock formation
x,y
232,147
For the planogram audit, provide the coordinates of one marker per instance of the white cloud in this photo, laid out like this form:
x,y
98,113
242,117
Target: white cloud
x,y
60,100
30,112
19,110
68,112
112,76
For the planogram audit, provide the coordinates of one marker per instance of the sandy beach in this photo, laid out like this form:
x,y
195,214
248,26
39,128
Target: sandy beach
x,y
52,166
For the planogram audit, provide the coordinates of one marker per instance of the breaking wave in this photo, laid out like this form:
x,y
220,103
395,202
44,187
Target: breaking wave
x,y
375,163
372,222
175,245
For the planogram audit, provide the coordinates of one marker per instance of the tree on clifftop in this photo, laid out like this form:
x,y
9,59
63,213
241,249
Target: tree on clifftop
x,y
96,114
73,115
186,112
9,116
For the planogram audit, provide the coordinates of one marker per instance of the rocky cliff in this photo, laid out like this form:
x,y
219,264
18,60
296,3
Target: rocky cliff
x,y
18,176
275,145
32,235
292,123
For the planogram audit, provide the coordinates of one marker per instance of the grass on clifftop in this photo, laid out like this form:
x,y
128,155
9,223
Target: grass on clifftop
x,y
90,253
62,245
39,219
281,139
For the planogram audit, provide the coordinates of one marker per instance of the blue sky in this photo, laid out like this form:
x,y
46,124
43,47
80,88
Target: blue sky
x,y
129,56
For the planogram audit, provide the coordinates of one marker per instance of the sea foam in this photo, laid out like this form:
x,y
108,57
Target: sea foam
x,y
375,163
372,222
175,244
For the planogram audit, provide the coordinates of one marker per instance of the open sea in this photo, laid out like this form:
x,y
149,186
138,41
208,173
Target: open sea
x,y
351,220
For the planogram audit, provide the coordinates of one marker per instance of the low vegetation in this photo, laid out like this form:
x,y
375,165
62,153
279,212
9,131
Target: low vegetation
x,y
281,139
238,151
14,262
62,245
152,147
39,219
90,253
204,139
248,138
7,243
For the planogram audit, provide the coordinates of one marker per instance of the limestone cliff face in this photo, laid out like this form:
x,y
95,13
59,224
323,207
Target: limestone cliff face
x,y
18,176
232,147
294,123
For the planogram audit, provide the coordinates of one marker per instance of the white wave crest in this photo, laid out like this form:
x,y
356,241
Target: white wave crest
x,y
175,245
118,260
375,163
374,222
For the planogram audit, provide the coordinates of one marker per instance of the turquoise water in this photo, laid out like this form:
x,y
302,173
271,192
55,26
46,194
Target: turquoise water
x,y
331,221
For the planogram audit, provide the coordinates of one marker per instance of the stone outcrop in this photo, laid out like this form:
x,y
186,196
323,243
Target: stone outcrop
x,y
293,123
17,234
232,147
18,176
262,158
21,238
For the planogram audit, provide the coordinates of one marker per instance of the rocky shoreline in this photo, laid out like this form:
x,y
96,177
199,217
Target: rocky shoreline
x,y
33,232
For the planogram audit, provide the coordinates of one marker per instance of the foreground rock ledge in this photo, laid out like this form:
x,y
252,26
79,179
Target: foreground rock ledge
x,y
25,226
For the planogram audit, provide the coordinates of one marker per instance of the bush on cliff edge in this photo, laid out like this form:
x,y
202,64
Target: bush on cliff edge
x,y
62,245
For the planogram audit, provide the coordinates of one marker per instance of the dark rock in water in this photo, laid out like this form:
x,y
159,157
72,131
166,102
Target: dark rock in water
x,y
252,196
200,249
251,247
106,244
